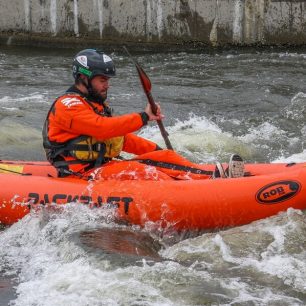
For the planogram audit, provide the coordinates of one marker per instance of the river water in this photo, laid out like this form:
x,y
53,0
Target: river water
x,y
252,102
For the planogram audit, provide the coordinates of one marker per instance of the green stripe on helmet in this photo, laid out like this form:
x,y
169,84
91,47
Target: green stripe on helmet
x,y
85,71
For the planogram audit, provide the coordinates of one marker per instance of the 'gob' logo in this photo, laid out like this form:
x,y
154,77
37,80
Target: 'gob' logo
x,y
278,192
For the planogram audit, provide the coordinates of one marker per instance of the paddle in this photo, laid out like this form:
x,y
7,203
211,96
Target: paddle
x,y
146,84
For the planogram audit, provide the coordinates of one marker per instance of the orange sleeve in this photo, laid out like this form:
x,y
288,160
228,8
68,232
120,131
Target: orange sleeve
x,y
138,145
79,118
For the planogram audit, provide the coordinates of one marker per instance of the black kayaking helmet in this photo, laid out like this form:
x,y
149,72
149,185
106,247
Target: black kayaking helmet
x,y
92,62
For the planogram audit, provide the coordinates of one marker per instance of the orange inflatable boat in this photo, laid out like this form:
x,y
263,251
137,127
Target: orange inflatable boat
x,y
183,198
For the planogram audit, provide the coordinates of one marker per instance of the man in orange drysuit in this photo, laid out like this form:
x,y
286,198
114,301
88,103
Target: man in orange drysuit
x,y
79,132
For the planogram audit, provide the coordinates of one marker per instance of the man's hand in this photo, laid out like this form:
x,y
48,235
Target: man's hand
x,y
158,116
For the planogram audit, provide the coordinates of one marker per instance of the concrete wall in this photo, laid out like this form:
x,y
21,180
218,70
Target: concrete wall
x,y
215,22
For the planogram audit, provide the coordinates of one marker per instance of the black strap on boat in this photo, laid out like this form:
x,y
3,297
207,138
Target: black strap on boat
x,y
62,167
171,166
66,172
101,160
92,163
64,163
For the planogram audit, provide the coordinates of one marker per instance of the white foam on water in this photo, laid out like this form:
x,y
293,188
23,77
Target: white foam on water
x,y
296,110
264,131
267,135
81,284
277,259
53,267
294,158
200,139
9,109
263,262
34,97
290,54
125,96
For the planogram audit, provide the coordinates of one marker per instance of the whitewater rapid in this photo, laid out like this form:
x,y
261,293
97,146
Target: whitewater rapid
x,y
250,102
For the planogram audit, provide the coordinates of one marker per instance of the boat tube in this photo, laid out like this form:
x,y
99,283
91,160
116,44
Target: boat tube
x,y
141,193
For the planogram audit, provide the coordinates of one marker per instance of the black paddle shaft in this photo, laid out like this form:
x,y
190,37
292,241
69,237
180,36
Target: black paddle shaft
x,y
160,124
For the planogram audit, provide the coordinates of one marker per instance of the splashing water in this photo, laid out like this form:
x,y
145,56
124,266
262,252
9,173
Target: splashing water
x,y
216,103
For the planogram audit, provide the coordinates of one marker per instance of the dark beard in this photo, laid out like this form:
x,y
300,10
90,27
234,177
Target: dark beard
x,y
96,97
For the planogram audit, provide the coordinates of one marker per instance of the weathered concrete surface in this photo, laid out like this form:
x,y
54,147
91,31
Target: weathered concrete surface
x,y
215,22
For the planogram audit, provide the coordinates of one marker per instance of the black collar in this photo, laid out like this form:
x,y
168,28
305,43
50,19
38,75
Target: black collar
x,y
74,89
